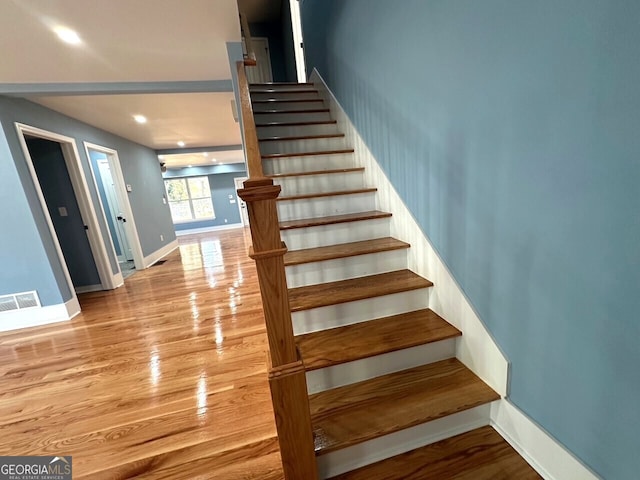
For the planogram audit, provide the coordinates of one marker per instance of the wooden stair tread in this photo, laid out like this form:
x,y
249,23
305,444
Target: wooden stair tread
x,y
352,414
480,454
278,90
343,291
307,154
375,337
314,110
327,194
316,172
343,250
302,137
264,84
292,100
333,219
295,124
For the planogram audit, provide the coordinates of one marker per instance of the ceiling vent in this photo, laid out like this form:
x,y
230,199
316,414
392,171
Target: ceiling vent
x,y
18,301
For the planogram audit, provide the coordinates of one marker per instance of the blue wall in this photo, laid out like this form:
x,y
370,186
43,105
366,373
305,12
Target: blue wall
x,y
510,129
140,169
25,257
222,185
57,189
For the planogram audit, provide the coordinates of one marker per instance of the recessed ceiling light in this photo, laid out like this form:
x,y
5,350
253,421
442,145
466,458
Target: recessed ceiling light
x,y
181,143
205,154
140,118
67,35
189,166
214,160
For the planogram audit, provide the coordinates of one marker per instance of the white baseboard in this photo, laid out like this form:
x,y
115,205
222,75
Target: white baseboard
x,y
208,229
34,317
118,280
159,254
544,453
89,288
476,349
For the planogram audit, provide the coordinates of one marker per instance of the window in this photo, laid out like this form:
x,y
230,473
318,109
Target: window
x,y
189,199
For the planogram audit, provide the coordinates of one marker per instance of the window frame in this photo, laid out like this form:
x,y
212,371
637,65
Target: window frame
x,y
190,199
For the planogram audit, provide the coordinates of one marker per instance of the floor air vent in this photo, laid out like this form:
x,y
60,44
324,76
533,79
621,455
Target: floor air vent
x,y
18,301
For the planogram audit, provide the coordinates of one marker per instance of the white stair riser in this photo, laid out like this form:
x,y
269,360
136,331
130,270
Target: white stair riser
x,y
326,206
292,117
284,96
330,182
261,107
296,130
311,145
366,453
367,368
359,311
344,268
308,163
323,235
280,86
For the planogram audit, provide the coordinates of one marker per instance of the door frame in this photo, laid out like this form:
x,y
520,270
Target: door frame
x,y
83,196
123,199
298,40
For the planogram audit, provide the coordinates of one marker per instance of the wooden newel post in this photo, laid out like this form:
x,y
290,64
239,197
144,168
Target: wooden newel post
x,y
287,378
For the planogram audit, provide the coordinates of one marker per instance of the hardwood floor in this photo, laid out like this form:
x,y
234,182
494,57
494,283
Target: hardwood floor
x,y
163,378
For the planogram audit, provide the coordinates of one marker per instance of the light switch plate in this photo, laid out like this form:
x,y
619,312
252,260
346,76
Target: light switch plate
x,y
63,211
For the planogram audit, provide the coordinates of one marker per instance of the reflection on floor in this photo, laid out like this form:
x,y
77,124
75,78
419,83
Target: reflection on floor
x,y
127,268
164,377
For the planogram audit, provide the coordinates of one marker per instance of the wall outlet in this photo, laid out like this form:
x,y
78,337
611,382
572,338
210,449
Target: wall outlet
x,y
162,238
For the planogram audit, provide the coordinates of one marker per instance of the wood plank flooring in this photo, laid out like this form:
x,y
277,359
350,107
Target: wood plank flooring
x,y
163,378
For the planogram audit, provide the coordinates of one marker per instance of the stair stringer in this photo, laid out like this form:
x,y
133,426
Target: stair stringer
x,y
476,349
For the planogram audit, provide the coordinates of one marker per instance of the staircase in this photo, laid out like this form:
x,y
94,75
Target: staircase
x,y
388,399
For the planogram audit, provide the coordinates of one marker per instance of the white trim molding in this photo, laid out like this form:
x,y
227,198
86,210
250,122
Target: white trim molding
x,y
35,317
229,226
543,452
159,254
89,288
476,348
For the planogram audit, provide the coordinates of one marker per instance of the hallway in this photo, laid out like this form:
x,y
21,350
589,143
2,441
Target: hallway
x,y
164,377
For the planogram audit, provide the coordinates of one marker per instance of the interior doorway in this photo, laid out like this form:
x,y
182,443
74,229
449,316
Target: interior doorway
x,y
58,178
242,206
114,204
261,72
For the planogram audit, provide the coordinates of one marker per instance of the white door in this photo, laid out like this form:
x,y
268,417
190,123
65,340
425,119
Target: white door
x,y
116,211
261,73
244,214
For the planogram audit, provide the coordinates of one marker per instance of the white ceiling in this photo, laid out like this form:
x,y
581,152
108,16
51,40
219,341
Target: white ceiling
x,y
204,158
123,40
198,119
139,41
